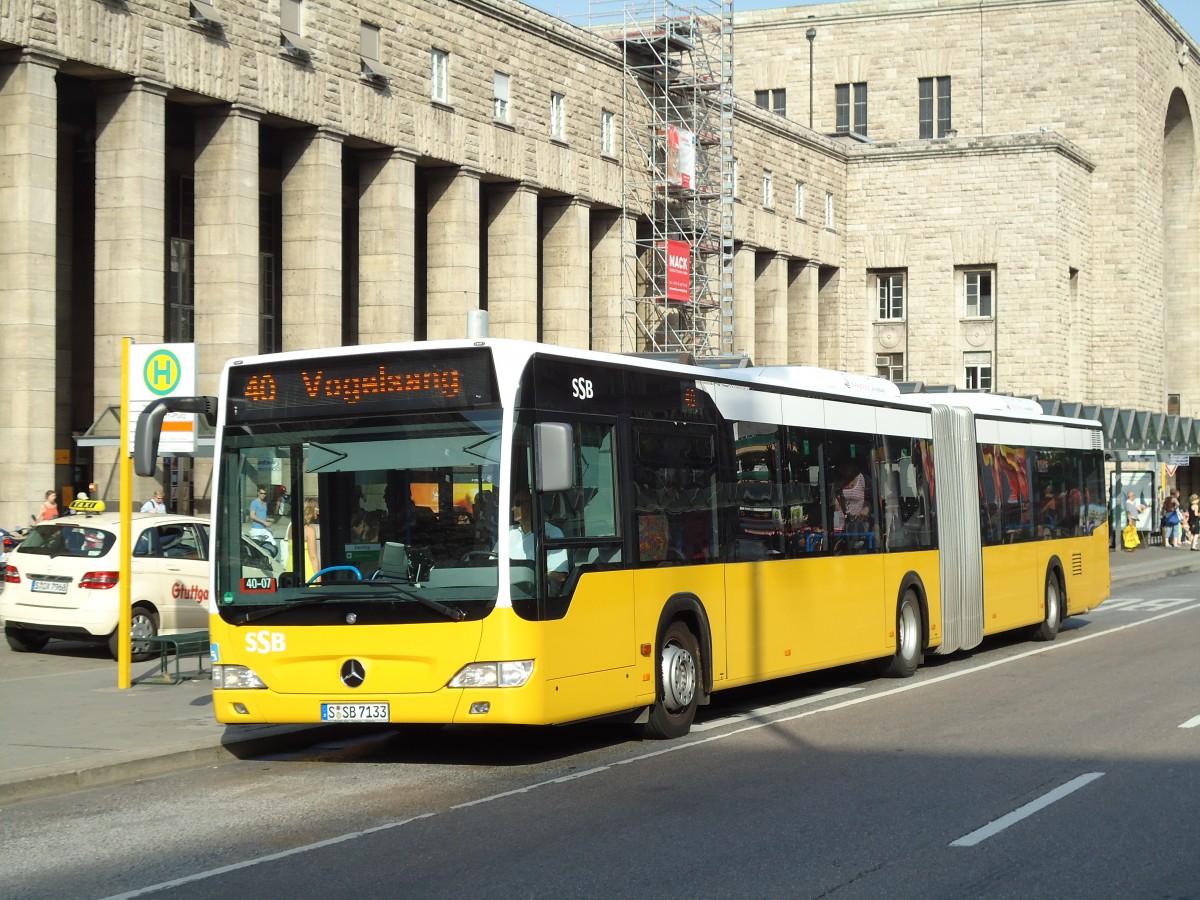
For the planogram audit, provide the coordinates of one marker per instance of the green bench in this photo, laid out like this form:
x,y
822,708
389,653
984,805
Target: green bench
x,y
181,645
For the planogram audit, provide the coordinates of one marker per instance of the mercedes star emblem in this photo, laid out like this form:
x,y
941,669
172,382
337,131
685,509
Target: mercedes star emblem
x,y
353,673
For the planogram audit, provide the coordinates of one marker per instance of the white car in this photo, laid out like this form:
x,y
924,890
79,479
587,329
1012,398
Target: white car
x,y
62,580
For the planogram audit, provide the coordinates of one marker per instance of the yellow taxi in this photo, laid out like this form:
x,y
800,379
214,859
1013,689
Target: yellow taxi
x,y
62,581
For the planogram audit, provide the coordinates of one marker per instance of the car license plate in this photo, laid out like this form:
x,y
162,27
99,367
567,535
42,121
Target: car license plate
x,y
355,712
49,587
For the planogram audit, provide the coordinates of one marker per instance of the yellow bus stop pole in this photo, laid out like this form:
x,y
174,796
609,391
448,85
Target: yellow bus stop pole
x,y
125,464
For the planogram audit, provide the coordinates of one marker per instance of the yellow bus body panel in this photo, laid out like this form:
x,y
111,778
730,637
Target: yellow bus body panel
x,y
1014,578
1012,586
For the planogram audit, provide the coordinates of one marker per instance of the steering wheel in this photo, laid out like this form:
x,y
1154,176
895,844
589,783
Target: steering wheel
x,y
354,569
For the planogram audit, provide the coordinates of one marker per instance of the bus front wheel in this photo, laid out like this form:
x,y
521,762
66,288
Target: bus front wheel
x,y
907,657
679,684
1048,629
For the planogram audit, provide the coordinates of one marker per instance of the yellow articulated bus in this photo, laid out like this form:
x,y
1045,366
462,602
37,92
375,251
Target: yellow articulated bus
x,y
493,531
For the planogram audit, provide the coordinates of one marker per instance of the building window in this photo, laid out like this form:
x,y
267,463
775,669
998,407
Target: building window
x,y
928,89
829,210
890,287
768,191
979,294
775,100
890,366
500,96
181,308
558,116
439,80
290,19
270,302
850,103
608,133
369,49
181,216
978,368
799,199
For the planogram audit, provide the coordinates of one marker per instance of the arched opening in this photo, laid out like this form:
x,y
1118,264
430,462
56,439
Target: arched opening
x,y
1181,254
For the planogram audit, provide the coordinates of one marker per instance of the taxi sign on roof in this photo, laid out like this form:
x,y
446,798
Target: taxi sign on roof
x,y
87,506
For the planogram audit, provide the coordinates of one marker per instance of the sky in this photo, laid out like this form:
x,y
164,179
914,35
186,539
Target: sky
x,y
1185,12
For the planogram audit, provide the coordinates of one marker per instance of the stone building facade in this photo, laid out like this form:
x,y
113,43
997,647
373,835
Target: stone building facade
x,y
1064,169
278,174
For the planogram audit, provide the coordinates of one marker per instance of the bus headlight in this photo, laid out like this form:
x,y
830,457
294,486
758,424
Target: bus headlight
x,y
234,678
513,673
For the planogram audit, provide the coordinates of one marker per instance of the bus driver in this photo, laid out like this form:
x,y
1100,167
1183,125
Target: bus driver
x,y
521,538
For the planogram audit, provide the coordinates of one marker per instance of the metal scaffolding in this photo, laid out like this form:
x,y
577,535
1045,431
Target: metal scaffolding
x,y
677,231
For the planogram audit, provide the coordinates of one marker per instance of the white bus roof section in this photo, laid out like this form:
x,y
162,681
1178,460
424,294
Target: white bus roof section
x,y
982,403
830,381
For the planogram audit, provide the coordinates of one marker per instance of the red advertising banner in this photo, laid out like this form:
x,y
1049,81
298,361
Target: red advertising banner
x,y
681,157
679,271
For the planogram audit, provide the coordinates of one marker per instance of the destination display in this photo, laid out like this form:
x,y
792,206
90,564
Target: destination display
x,y
357,385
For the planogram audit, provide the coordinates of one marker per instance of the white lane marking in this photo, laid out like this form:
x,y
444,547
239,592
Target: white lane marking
x,y
995,827
1137,603
671,748
1191,723
760,712
283,854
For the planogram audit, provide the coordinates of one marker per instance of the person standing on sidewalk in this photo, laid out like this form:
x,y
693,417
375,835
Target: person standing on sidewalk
x,y
1170,521
1194,520
1133,511
155,504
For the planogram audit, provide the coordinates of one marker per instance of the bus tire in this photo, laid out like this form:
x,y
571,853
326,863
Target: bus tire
x,y
1047,630
678,684
907,657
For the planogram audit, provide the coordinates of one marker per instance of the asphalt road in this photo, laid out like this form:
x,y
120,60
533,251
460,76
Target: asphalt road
x,y
1063,770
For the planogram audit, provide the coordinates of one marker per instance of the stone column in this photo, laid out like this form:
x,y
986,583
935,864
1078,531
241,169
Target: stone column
x,y
312,240
566,267
802,313
512,248
227,265
452,278
28,222
130,225
770,310
130,275
744,302
387,232
609,280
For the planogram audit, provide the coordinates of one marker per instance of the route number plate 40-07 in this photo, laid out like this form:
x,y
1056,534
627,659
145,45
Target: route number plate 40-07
x,y
355,712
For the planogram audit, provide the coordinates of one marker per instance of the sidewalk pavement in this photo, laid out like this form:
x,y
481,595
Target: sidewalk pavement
x,y
66,724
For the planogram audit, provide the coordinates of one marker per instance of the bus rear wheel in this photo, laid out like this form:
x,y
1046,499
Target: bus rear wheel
x,y
1047,630
679,684
907,657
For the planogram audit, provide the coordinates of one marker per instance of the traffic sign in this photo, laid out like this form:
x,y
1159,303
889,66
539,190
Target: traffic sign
x,y
157,371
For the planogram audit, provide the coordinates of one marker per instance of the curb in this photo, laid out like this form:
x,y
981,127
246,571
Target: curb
x,y
135,769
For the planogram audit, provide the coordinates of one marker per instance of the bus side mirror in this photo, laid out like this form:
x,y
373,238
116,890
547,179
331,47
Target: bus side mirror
x,y
149,427
554,455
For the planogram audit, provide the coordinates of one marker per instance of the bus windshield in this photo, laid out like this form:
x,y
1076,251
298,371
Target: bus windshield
x,y
395,509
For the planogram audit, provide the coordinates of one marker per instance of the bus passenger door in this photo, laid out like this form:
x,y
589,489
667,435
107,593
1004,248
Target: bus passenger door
x,y
589,598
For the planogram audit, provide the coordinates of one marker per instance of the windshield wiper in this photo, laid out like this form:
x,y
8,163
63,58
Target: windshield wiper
x,y
450,612
289,604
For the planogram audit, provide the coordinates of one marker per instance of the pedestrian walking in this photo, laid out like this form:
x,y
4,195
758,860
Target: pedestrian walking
x,y
155,504
49,508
